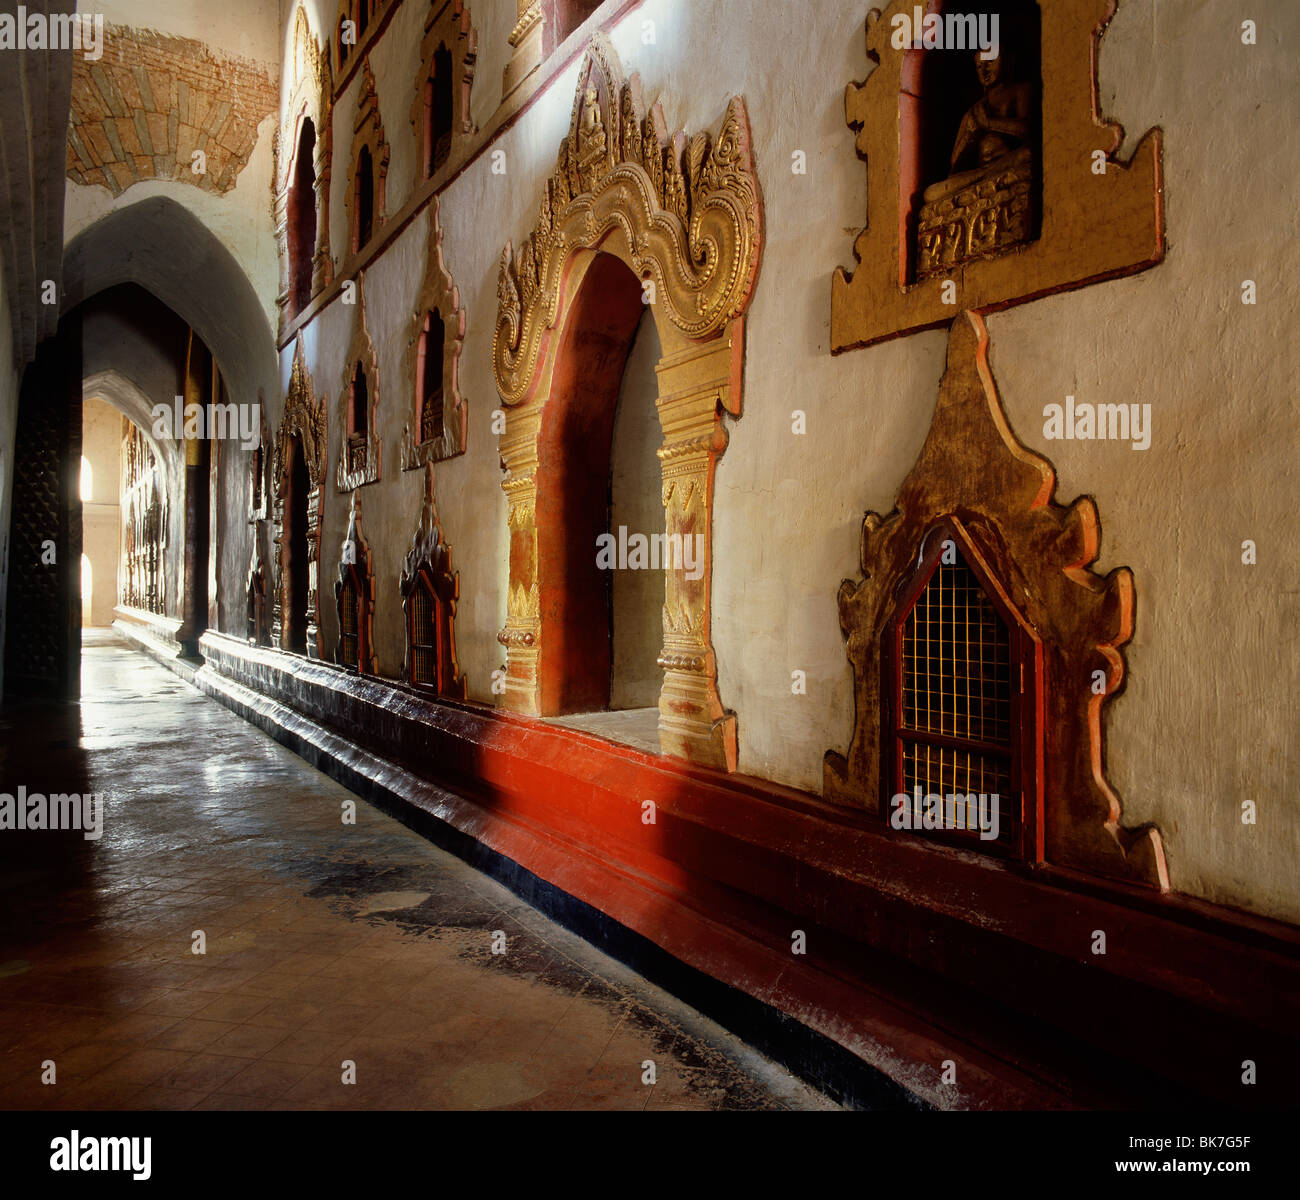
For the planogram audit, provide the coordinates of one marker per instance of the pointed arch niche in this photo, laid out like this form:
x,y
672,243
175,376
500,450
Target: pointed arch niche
x,y
302,176
430,589
1026,561
358,457
629,217
439,418
440,112
354,598
365,199
298,476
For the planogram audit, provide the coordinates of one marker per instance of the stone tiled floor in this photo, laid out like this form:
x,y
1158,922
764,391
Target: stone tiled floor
x,y
326,942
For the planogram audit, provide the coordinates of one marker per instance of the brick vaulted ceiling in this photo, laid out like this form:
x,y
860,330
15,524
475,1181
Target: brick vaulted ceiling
x,y
141,111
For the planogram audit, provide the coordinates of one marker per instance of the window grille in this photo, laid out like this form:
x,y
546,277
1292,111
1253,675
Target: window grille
x,y
958,678
349,625
424,637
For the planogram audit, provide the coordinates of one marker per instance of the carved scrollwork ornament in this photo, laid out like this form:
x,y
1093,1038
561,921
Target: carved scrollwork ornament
x,y
691,212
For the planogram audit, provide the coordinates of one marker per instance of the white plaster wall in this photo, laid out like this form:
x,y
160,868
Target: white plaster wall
x,y
1207,719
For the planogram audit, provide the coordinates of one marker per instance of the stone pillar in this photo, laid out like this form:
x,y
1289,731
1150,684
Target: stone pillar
x,y
695,389
522,633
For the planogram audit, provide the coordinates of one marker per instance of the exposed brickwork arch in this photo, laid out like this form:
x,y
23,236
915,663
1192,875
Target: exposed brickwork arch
x,y
152,101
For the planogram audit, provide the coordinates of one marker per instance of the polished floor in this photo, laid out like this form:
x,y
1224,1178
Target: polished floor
x,y
345,965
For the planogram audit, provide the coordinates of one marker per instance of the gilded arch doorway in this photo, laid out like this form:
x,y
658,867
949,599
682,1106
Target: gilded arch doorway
x,y
683,219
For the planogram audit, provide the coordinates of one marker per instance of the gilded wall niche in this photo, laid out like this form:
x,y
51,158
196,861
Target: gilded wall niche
x,y
986,188
354,598
304,129
430,590
299,459
440,110
974,478
358,418
683,217
439,417
365,199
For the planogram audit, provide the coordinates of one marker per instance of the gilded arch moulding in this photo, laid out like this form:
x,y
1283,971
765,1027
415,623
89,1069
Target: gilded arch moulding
x,y
447,28
428,563
359,458
438,293
309,100
304,419
356,567
367,134
974,473
685,216
690,210
1094,216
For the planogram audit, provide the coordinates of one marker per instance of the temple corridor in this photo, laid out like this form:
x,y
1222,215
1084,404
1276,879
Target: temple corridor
x,y
325,943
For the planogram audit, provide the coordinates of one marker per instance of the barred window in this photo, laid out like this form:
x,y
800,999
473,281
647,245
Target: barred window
x,y
958,680
424,636
349,624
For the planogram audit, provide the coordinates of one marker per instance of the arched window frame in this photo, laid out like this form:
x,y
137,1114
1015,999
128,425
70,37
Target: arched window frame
x,y
428,565
356,575
308,99
367,133
438,293
1036,557
447,28
358,458
304,423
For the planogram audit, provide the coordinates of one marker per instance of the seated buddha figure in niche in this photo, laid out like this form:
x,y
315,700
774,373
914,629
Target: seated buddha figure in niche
x,y
984,206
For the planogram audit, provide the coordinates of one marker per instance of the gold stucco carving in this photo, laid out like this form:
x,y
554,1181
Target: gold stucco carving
x,y
685,215
438,293
976,247
309,99
690,211
359,461
973,471
304,419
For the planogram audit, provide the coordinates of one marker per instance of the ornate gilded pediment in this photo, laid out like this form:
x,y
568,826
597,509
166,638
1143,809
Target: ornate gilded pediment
x,y
303,417
992,176
690,209
972,472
